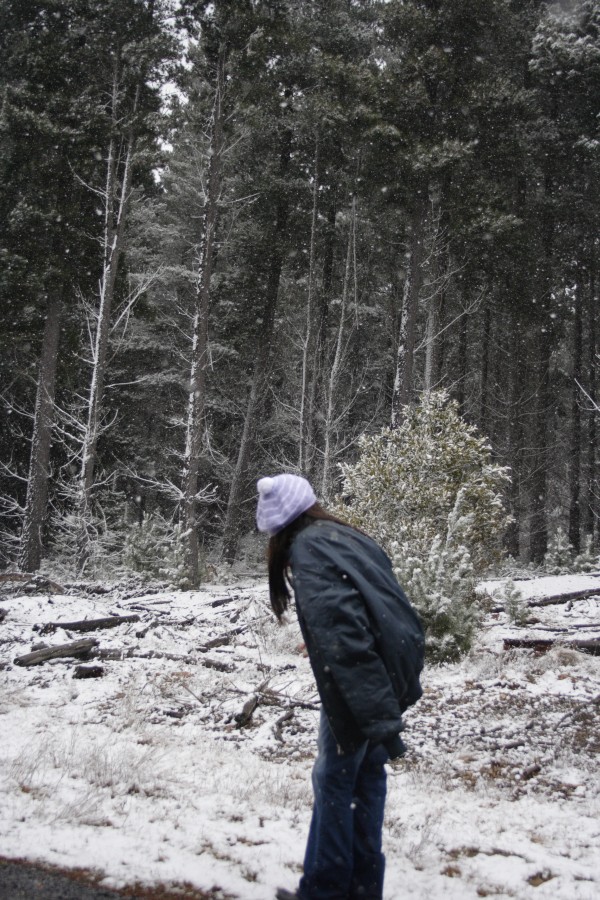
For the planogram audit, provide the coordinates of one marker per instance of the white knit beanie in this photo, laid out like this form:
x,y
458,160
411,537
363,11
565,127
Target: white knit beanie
x,y
282,499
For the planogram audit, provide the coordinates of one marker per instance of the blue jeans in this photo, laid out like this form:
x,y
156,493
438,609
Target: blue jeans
x,y
343,858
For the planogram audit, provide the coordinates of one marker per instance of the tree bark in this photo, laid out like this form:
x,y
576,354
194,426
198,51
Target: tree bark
x,y
116,203
261,367
591,510
309,375
404,374
89,624
200,350
30,554
515,436
463,344
542,645
484,401
334,372
76,648
575,442
315,469
538,528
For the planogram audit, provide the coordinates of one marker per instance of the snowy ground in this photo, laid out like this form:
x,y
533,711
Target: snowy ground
x,y
145,774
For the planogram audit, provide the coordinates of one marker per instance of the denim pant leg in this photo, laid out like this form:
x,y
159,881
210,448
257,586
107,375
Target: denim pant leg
x,y
370,792
345,830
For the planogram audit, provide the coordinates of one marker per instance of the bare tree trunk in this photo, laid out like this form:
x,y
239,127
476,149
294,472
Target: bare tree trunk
x,y
538,541
257,390
430,375
309,375
434,290
334,373
484,401
116,202
575,443
30,551
515,436
320,358
261,367
591,510
463,343
200,350
404,376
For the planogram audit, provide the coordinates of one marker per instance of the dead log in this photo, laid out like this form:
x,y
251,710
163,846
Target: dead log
x,y
32,582
542,645
564,598
88,672
218,665
221,601
135,653
87,624
76,648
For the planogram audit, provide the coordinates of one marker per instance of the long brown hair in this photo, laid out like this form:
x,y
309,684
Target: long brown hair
x,y
278,552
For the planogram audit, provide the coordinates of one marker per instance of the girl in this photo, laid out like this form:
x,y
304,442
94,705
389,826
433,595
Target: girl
x,y
365,645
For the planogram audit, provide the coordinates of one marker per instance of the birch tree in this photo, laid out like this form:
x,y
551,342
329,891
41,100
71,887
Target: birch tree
x,y
115,199
129,106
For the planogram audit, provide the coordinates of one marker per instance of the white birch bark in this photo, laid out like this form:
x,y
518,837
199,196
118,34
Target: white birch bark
x,y
116,202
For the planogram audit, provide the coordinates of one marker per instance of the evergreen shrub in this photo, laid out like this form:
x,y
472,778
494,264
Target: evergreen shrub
x,y
156,548
429,492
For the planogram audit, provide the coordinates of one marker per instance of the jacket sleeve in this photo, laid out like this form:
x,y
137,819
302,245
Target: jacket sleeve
x,y
341,640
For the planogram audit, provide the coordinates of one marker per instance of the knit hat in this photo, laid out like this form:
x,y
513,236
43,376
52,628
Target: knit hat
x,y
282,499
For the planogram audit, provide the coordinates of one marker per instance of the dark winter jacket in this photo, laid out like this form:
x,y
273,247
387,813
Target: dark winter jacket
x,y
364,640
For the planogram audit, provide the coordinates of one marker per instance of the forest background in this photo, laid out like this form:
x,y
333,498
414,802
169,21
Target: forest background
x,y
238,236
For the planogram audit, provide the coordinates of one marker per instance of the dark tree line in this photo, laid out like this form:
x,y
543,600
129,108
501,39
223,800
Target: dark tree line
x,y
336,206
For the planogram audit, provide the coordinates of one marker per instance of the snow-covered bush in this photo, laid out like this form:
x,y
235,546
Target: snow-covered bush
x,y
559,556
589,559
512,599
156,549
430,493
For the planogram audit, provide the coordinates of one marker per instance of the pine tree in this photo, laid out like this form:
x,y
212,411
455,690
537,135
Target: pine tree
x,y
431,494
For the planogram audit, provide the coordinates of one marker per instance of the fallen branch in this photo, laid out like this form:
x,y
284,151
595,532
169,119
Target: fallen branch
x,y
542,645
280,721
223,638
87,624
76,648
243,718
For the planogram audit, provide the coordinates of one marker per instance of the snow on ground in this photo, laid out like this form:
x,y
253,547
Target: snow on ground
x,y
145,774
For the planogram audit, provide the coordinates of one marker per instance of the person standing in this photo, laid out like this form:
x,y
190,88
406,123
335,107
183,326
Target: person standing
x,y
365,644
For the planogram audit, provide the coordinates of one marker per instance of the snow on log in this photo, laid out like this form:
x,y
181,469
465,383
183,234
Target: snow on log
x,y
87,624
75,648
542,645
